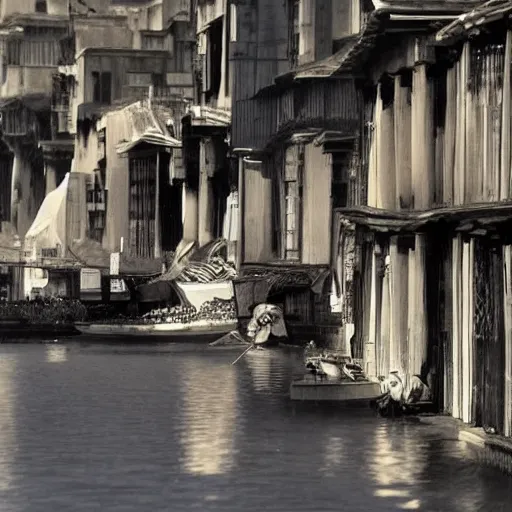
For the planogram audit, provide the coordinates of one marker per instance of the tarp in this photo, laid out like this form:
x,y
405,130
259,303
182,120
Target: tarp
x,y
49,227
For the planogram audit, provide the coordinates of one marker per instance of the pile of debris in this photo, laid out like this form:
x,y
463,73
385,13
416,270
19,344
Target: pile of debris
x,y
214,270
171,315
218,310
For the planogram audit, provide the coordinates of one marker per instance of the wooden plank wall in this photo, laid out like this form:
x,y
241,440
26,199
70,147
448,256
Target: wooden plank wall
x,y
317,211
335,105
257,215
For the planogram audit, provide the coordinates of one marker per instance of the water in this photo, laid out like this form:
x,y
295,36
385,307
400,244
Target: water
x,y
177,428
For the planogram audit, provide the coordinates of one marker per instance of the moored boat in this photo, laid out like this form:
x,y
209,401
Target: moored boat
x,y
199,330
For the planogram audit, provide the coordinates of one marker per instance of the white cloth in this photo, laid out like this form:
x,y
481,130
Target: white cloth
x,y
260,328
231,219
405,389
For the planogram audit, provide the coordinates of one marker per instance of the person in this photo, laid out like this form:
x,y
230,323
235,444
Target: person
x,y
266,325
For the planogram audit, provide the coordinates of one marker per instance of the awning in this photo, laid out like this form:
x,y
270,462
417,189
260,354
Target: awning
x,y
481,15
464,217
281,277
150,136
34,102
92,255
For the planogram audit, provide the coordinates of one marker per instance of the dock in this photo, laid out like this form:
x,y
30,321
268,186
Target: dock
x,y
307,389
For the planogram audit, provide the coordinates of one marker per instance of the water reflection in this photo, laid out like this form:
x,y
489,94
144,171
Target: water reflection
x,y
8,441
397,465
267,370
209,416
56,354
333,455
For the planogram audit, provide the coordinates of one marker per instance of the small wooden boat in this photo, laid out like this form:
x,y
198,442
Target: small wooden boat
x,y
201,330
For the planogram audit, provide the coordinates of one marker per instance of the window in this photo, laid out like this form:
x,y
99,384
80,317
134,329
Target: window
x,y
41,6
292,202
340,165
213,60
102,87
294,32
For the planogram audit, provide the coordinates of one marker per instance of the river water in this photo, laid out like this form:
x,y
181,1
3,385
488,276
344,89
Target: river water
x,y
177,428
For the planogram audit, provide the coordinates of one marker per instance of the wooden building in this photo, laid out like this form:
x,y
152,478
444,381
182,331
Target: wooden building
x,y
294,129
210,177
64,65
430,285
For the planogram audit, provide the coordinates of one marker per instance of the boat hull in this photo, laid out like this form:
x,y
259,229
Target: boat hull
x,y
194,331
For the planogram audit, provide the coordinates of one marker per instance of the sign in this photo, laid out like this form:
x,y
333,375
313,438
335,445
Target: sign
x,y
114,264
118,286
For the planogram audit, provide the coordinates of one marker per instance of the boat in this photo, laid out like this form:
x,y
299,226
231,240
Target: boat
x,y
199,330
333,365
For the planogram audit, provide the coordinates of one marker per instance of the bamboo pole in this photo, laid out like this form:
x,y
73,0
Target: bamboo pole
x,y
505,185
507,279
402,129
422,139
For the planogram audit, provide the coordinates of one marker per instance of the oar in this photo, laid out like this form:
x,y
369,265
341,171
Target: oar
x,y
242,354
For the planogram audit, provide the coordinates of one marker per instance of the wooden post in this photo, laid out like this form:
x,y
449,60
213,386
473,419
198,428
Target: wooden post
x,y
241,217
460,149
158,234
402,129
386,186
385,322
370,354
422,139
190,213
507,280
206,197
505,185
373,168
50,177
456,287
449,135
418,328
467,330
399,307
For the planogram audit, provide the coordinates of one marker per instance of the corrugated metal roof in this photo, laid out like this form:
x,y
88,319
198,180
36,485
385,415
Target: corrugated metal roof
x,y
479,16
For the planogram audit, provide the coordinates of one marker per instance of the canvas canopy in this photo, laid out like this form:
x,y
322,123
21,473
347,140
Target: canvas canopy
x,y
49,227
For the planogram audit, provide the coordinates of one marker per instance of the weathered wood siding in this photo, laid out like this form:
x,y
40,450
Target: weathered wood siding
x,y
333,105
257,215
316,232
